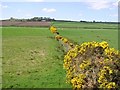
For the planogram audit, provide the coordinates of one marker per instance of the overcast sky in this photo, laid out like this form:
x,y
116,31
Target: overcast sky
x,y
99,10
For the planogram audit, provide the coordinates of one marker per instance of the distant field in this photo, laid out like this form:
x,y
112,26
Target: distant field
x,y
70,25
32,58
86,25
25,23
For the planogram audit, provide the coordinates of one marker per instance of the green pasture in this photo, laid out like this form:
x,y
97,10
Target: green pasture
x,y
32,58
86,25
79,36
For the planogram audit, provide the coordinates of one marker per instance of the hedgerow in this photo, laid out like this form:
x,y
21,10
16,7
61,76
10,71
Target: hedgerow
x,y
91,64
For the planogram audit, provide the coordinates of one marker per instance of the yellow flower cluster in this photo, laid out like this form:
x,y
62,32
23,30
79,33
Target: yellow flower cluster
x,y
65,40
111,51
58,37
103,74
85,64
104,44
111,85
78,81
68,58
93,44
53,29
72,61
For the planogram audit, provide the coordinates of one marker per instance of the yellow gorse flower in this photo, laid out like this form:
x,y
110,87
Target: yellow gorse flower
x,y
85,64
78,81
103,80
53,29
58,37
104,44
111,85
65,40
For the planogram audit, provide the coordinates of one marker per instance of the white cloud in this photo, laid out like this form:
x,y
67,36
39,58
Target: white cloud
x,y
113,15
3,6
97,5
102,4
115,4
49,10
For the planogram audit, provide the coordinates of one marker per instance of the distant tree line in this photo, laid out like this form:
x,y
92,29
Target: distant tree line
x,y
33,19
52,19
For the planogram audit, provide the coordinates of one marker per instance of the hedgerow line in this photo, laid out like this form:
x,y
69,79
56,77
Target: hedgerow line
x,y
91,64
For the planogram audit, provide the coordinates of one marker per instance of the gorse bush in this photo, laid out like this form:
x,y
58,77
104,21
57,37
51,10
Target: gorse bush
x,y
91,64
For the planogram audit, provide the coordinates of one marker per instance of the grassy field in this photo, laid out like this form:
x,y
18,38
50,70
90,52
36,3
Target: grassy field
x,y
85,35
32,58
86,25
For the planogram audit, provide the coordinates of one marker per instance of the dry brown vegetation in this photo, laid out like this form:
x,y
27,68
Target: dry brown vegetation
x,y
25,23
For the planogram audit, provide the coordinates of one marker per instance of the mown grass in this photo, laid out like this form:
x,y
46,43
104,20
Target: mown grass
x,y
32,58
